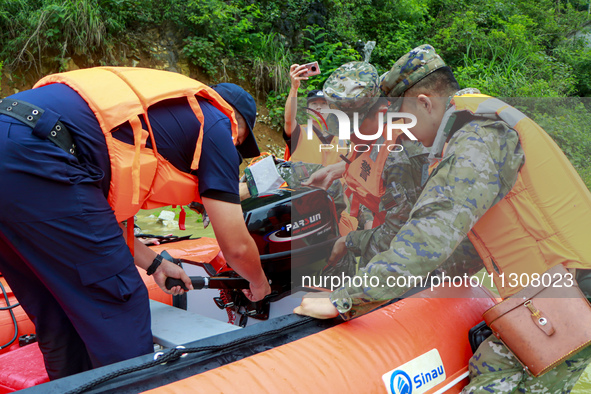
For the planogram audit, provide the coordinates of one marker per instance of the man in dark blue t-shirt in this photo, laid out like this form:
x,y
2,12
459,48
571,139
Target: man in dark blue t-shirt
x,y
61,248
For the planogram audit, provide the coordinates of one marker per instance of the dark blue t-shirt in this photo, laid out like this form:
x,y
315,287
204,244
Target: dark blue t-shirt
x,y
175,128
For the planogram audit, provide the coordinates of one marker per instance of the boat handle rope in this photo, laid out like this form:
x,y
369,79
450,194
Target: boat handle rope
x,y
9,307
171,355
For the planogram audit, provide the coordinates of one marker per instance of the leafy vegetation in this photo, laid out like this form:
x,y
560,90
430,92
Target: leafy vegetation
x,y
567,122
518,48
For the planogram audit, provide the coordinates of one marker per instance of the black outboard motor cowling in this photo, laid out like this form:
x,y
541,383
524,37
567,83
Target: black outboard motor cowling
x,y
291,227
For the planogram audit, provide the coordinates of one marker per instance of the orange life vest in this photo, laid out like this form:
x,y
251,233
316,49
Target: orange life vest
x,y
140,177
308,150
544,220
364,183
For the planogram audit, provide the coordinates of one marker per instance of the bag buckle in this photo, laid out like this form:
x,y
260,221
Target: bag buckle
x,y
539,318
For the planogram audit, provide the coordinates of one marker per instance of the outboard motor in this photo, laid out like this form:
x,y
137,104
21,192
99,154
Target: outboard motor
x,y
294,230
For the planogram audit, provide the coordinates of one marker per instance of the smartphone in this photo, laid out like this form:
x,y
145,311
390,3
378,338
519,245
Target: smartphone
x,y
313,69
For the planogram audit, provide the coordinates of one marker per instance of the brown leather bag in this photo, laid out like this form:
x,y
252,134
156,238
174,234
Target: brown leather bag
x,y
543,326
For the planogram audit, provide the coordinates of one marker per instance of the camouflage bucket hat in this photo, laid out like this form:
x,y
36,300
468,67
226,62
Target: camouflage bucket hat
x,y
410,69
353,87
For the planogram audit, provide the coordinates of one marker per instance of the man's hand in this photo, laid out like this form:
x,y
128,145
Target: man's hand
x,y
295,74
338,251
325,177
257,292
240,250
291,106
171,270
318,308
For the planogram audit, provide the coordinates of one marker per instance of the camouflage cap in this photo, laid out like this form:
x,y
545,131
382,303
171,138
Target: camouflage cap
x,y
353,87
410,69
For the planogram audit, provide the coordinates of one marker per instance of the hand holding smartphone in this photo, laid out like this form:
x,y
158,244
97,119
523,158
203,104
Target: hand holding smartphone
x,y
313,69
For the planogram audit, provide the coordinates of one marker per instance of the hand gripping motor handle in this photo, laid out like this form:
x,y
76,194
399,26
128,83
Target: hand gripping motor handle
x,y
198,282
215,282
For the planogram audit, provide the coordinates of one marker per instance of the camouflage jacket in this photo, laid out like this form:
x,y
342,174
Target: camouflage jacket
x,y
402,181
480,166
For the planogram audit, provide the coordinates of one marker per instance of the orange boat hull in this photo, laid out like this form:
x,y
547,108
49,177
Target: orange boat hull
x,y
352,357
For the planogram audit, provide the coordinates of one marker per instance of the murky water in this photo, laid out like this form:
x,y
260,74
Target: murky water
x,y
150,224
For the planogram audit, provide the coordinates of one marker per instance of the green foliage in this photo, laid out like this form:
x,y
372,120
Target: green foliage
x,y
271,62
150,13
34,29
577,54
585,175
402,39
506,48
329,55
396,26
569,124
509,73
519,48
40,33
227,28
276,106
203,53
231,36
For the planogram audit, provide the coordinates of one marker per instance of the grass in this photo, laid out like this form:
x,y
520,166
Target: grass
x,y
271,65
147,220
56,30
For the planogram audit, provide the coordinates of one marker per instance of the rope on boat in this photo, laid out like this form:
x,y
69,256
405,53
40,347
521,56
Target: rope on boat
x,y
178,352
9,308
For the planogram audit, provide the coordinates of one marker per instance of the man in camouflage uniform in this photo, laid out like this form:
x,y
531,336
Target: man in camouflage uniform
x,y
483,157
354,87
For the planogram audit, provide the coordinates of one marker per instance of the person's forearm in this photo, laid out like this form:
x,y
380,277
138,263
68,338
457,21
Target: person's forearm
x,y
238,247
143,256
291,107
337,170
433,230
244,259
243,190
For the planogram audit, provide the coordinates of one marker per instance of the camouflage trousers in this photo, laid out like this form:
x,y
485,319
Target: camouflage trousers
x,y
494,369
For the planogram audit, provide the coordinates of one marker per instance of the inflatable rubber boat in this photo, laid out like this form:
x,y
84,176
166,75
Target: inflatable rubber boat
x,y
215,340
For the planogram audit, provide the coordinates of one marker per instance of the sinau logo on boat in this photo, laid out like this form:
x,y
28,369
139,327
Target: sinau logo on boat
x,y
416,376
400,383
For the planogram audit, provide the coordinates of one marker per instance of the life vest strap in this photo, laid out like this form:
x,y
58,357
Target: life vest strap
x,y
45,123
131,235
199,114
138,133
